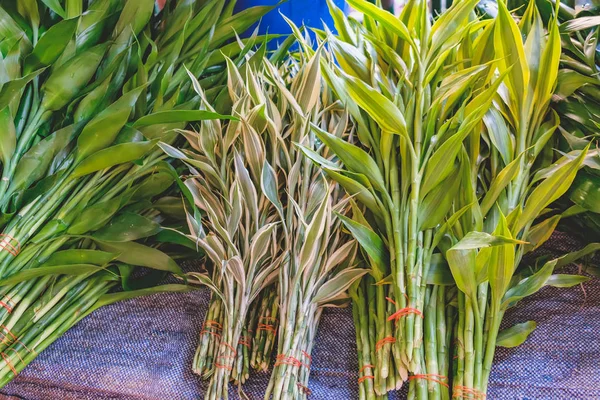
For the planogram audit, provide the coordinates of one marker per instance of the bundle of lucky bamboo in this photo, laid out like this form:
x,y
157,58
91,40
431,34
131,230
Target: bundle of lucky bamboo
x,y
79,180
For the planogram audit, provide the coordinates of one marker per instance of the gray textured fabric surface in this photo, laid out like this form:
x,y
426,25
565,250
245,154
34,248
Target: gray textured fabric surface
x,y
142,349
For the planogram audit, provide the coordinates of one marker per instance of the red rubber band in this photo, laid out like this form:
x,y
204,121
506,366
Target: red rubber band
x,y
364,378
230,347
462,392
211,333
308,357
404,312
222,366
7,361
213,324
390,300
245,341
431,377
7,306
265,327
365,367
379,345
8,246
282,359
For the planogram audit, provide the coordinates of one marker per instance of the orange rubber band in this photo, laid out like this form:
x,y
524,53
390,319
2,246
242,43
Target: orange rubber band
x,y
379,345
364,378
431,377
245,341
8,246
222,366
463,392
390,300
365,367
282,359
7,361
404,312
265,327
213,324
17,353
211,333
230,347
308,357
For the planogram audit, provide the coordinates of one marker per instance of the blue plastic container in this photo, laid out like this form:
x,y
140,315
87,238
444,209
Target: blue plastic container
x,y
311,13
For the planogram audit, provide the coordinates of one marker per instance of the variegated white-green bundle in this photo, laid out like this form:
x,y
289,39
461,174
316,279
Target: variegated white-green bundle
x,y
236,227
318,266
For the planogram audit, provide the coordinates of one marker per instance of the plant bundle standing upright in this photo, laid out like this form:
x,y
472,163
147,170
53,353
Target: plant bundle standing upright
x,y
421,98
317,264
517,184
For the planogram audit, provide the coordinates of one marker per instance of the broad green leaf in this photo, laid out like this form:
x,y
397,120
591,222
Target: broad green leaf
x,y
353,157
66,82
437,203
70,269
515,335
79,256
501,263
499,134
579,24
575,255
127,227
565,281
337,285
371,244
101,131
111,156
173,116
549,190
541,232
499,183
439,272
138,254
379,107
11,89
529,285
270,187
51,45
95,216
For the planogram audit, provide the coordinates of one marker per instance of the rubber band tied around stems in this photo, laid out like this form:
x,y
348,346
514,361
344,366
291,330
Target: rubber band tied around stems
x,y
268,328
282,359
5,244
364,378
308,357
6,303
464,392
7,361
403,312
431,377
245,341
389,339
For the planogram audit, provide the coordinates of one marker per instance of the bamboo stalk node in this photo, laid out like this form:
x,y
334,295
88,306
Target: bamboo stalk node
x,y
431,377
464,392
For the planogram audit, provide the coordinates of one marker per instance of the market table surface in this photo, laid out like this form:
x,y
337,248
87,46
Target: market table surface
x,y
142,350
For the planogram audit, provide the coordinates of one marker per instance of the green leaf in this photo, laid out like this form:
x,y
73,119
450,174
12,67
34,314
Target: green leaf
x,y
541,232
372,245
528,286
338,285
127,227
55,6
439,272
138,254
565,281
66,82
499,134
51,45
101,131
501,265
70,269
111,156
11,89
549,190
515,335
95,216
499,183
79,256
173,116
353,157
437,203
382,110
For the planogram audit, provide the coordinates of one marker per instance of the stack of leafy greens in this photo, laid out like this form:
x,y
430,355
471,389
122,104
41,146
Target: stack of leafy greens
x,y
86,93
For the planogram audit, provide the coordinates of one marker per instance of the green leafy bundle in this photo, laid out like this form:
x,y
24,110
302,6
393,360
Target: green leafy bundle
x,y
86,94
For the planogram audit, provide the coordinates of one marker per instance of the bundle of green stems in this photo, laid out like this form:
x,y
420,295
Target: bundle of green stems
x,y
84,98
